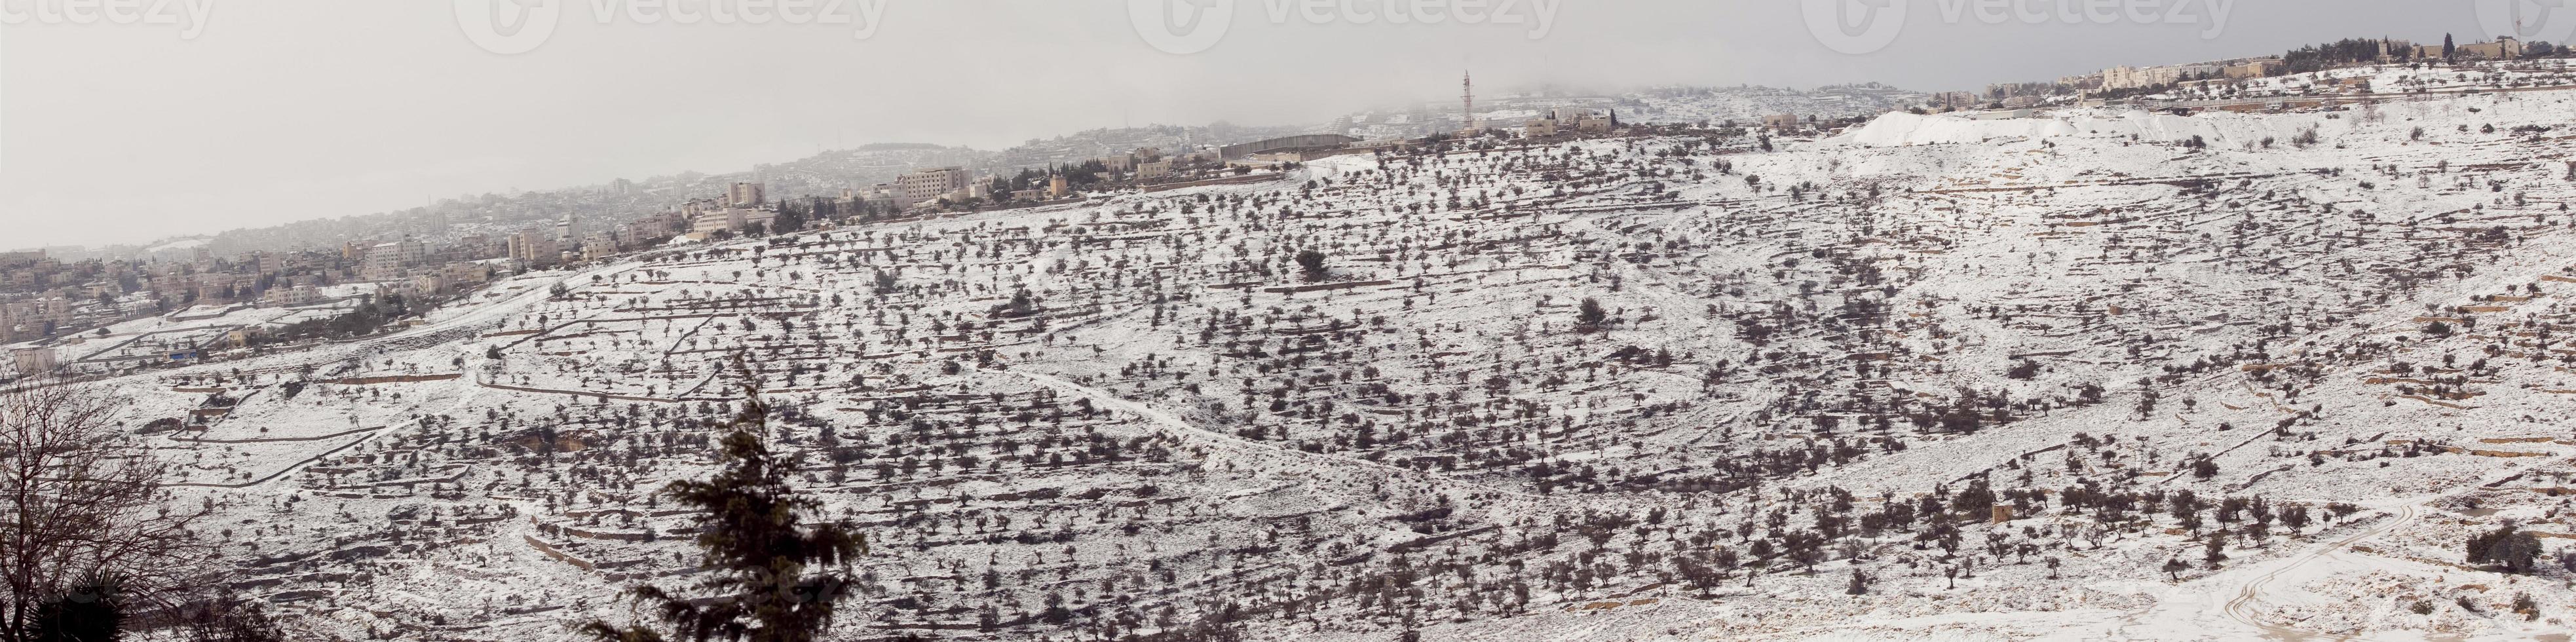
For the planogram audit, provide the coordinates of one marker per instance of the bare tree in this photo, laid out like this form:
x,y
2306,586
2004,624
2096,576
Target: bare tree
x,y
80,499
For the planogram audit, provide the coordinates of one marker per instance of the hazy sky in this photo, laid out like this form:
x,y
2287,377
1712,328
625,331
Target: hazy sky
x,y
254,113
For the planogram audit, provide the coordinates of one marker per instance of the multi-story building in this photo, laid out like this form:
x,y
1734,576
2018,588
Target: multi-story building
x,y
428,285
931,185
657,226
880,196
533,247
2255,68
1961,99
31,318
262,262
602,241
386,261
1558,121
742,194
467,272
731,219
297,295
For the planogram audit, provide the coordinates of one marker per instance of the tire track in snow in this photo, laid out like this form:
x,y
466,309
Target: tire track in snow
x,y
2243,606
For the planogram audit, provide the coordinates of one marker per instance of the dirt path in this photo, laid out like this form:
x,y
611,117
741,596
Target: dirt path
x,y
281,472
1259,451
2243,607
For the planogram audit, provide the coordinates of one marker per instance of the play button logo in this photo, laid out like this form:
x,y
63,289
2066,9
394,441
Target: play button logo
x,y
1855,27
508,27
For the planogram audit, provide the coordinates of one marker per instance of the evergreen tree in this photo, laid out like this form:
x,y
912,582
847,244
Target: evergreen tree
x,y
1310,263
760,556
789,219
1590,314
2508,546
1022,304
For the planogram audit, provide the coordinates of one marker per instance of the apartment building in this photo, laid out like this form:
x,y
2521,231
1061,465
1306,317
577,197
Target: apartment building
x,y
931,185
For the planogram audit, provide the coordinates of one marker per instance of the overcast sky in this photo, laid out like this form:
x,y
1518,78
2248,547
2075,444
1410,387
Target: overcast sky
x,y
257,113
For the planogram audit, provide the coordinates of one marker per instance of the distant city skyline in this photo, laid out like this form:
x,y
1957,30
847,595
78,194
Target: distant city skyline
x,y
295,111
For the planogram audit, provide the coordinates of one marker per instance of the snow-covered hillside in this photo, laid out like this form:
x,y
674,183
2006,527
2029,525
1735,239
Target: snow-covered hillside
x,y
2005,379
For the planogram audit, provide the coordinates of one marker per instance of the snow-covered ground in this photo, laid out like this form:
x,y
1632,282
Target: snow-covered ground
x,y
1976,363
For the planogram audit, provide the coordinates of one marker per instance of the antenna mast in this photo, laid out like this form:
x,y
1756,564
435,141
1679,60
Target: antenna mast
x,y
1470,97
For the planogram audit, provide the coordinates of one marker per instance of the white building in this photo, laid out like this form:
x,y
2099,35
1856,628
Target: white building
x,y
1558,121
2117,78
387,260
